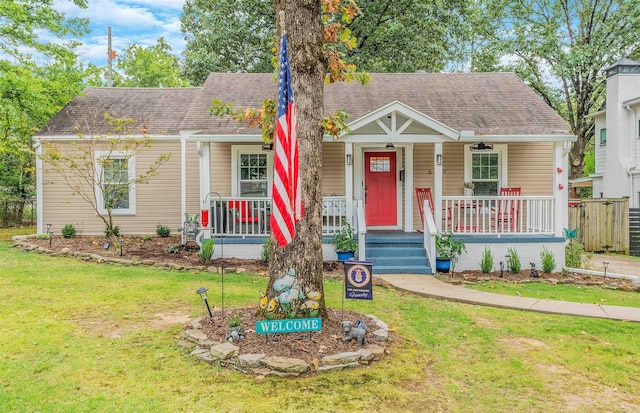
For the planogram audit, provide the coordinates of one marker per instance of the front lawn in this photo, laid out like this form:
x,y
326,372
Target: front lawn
x,y
81,337
575,293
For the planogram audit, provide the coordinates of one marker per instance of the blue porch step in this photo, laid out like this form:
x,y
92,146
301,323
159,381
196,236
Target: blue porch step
x,y
397,253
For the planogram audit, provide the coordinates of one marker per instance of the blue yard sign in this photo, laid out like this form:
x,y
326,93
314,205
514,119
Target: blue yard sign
x,y
293,325
358,280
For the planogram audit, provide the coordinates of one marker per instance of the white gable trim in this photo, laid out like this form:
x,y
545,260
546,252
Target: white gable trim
x,y
409,112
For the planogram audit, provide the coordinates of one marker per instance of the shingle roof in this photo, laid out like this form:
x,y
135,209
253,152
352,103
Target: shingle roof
x,y
486,103
160,109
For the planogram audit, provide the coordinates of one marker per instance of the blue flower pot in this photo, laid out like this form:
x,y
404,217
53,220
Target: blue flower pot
x,y
344,255
443,264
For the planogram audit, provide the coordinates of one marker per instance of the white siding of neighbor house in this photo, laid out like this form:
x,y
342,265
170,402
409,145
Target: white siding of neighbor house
x,y
600,150
157,202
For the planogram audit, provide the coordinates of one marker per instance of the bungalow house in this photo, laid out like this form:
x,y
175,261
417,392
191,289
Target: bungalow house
x,y
617,136
462,136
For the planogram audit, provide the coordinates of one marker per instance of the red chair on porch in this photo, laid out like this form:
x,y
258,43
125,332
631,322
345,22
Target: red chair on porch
x,y
507,212
243,212
424,194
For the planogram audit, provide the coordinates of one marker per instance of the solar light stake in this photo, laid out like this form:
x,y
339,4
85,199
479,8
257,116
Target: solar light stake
x,y
50,234
606,264
203,294
121,241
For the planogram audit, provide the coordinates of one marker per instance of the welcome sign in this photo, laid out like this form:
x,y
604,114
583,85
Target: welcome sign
x,y
294,325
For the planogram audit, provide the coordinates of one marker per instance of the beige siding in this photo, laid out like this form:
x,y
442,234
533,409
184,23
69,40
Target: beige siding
x,y
333,164
157,202
531,167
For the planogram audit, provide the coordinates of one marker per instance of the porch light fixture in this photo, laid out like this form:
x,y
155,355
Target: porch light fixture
x,y
202,291
482,147
389,146
439,159
349,158
267,147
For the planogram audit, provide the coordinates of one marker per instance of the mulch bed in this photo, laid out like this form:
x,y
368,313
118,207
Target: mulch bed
x,y
304,346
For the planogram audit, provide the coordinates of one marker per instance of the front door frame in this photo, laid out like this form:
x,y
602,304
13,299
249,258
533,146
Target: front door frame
x,y
404,159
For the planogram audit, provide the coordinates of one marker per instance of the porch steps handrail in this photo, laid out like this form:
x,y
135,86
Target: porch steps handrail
x,y
430,230
362,230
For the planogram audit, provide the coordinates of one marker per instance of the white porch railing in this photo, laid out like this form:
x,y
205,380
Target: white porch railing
x,y
251,217
499,215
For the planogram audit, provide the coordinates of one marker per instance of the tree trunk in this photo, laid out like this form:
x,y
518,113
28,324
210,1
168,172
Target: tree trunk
x,y
304,28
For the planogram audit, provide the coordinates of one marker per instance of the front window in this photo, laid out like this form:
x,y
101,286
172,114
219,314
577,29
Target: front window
x,y
603,136
254,180
116,191
485,173
252,171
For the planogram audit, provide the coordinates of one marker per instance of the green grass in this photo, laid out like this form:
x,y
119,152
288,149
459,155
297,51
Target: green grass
x,y
562,292
6,234
81,337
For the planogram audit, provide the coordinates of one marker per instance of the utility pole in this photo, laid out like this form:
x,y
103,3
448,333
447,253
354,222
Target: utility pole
x,y
110,56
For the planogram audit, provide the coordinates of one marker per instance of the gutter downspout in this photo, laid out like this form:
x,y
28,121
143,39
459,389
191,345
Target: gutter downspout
x,y
632,149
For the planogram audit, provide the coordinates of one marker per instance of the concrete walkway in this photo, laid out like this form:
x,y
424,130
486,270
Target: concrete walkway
x,y
429,286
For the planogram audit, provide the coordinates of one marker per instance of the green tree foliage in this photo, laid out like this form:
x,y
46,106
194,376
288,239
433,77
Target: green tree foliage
x,y
37,78
153,66
406,35
561,47
392,36
227,36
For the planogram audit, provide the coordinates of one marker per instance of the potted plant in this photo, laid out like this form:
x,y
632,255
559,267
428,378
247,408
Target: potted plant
x,y
343,241
448,250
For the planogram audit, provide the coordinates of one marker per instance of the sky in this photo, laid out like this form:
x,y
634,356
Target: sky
x,y
140,22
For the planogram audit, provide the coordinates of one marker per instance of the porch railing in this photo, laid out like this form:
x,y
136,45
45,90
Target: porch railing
x,y
499,215
251,217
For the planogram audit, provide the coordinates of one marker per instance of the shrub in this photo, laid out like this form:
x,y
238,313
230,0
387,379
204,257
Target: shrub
x,y
146,237
173,249
575,255
68,231
265,249
163,231
43,236
206,249
486,264
548,260
115,231
513,260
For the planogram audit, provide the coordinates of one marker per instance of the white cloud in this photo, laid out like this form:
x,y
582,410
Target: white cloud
x,y
140,22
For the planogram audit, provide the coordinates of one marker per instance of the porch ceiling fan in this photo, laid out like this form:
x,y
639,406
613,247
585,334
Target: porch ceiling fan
x,y
481,146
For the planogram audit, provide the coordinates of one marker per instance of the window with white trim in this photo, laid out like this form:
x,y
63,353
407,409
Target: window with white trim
x,y
485,173
116,191
253,171
486,169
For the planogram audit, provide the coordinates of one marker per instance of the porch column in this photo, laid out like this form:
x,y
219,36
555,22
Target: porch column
x,y
348,179
204,157
437,184
561,188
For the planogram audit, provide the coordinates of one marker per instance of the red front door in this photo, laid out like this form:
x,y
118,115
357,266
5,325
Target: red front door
x,y
380,189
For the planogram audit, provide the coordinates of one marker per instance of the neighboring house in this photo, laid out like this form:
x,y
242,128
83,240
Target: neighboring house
x,y
407,130
617,136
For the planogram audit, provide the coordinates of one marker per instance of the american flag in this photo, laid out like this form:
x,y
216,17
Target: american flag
x,y
287,199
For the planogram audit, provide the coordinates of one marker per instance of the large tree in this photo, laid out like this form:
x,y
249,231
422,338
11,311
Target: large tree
x,y
37,78
152,66
393,35
305,32
560,47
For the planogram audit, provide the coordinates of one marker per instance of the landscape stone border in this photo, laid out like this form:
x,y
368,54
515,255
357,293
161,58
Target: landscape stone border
x,y
227,354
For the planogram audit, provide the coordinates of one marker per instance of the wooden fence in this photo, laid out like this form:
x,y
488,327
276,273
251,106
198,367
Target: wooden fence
x,y
603,223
